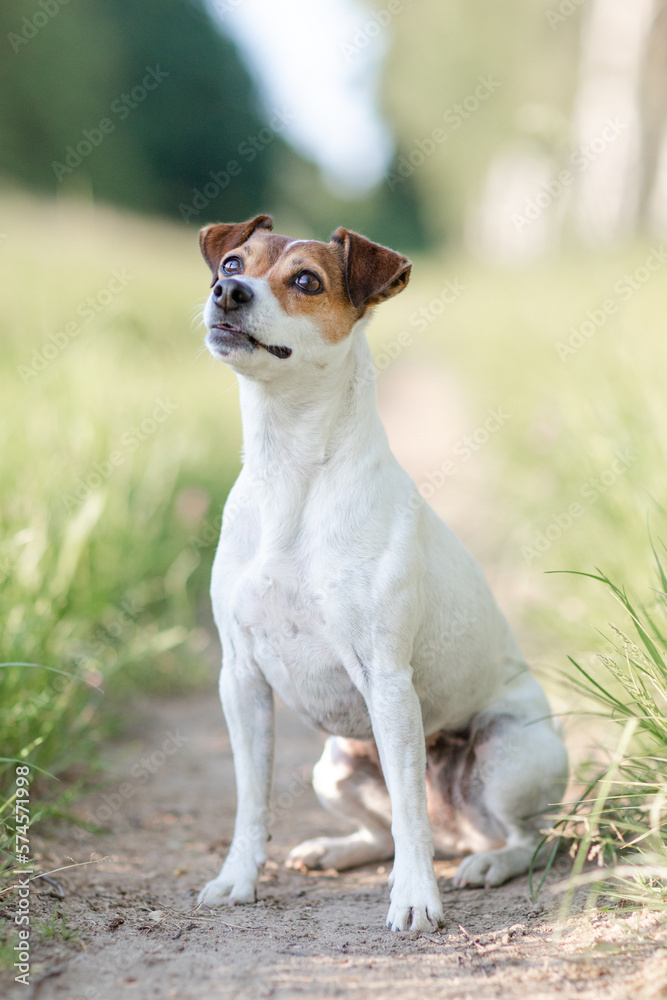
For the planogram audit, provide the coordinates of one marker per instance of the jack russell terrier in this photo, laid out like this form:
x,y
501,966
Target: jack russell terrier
x,y
337,586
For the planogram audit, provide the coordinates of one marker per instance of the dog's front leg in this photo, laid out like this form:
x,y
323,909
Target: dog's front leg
x,y
247,701
399,733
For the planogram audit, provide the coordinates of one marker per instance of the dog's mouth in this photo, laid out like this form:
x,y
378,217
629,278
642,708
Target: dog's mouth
x,y
225,338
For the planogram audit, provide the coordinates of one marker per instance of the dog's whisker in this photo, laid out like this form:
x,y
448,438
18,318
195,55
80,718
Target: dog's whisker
x,y
197,314
229,388
201,350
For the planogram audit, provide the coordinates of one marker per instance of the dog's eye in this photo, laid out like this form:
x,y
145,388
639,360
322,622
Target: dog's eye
x,y
308,282
233,265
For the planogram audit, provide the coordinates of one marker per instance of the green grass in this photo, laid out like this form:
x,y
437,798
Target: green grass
x,y
56,927
8,939
107,528
620,819
116,459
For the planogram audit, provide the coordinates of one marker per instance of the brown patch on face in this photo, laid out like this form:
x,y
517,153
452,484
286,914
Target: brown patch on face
x,y
270,256
355,272
259,254
331,308
218,239
373,273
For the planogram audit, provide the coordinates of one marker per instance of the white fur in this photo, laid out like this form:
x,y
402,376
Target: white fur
x,y
336,586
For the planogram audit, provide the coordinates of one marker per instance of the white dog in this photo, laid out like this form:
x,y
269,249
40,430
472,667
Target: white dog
x,y
335,585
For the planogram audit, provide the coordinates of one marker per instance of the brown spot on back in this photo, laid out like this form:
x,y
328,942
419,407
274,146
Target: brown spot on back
x,y
458,766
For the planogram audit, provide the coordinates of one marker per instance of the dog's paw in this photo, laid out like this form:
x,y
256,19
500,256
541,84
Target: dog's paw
x,y
318,854
232,886
415,909
492,868
220,890
340,853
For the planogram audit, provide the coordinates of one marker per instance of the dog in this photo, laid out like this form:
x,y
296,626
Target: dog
x,y
336,586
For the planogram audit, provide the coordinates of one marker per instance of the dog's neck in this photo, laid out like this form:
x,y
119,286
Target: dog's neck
x,y
292,429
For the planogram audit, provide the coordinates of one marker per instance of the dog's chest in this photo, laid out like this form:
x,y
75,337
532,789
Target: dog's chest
x,y
281,617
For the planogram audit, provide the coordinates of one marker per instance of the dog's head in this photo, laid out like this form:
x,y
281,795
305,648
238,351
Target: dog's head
x,y
279,303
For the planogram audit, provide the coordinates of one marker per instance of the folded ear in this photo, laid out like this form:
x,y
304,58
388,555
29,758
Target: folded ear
x,y
372,272
217,240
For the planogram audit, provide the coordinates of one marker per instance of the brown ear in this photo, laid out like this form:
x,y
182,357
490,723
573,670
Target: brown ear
x,y
216,240
372,272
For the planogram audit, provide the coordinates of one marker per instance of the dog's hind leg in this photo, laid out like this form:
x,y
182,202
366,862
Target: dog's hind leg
x,y
348,781
513,772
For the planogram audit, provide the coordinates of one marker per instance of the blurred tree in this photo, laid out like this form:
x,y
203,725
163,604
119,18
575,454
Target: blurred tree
x,y
149,106
303,201
485,74
653,119
141,101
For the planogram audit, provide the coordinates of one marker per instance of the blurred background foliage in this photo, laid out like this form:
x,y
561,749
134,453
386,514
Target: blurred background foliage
x,y
190,125
96,52
119,440
443,53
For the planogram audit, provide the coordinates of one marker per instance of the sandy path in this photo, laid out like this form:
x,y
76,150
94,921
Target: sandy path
x,y
316,935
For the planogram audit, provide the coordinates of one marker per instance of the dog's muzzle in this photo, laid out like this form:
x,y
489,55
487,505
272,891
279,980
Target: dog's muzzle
x,y
230,294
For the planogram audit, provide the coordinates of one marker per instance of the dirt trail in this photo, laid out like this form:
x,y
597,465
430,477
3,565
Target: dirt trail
x,y
168,809
316,935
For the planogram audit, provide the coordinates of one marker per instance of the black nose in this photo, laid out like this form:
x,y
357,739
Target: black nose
x,y
230,293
